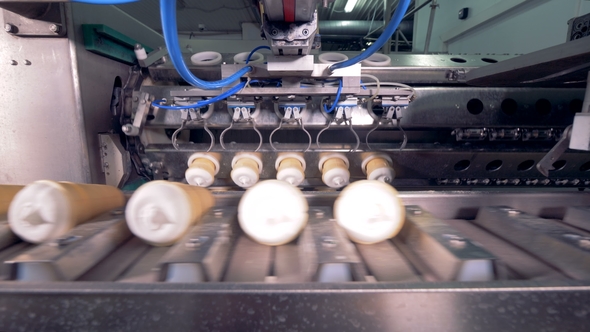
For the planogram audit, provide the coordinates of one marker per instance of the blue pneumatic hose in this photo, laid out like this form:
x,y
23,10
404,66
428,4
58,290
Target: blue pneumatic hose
x,y
202,103
168,15
396,19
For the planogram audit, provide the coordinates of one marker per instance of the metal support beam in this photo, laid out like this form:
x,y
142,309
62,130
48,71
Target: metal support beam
x,y
430,25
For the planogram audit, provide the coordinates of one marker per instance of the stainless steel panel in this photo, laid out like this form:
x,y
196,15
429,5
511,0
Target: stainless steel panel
x,y
287,265
459,204
433,107
386,263
44,136
9,253
69,256
561,64
7,237
58,98
418,165
449,254
146,268
115,264
578,217
250,261
325,253
206,247
559,245
525,266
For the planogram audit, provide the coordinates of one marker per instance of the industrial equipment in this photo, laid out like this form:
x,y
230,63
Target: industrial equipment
x,y
256,174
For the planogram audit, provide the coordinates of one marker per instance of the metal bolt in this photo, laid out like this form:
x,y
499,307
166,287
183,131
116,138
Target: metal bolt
x,y
305,32
196,242
329,242
127,128
9,27
54,28
60,242
274,32
457,243
584,243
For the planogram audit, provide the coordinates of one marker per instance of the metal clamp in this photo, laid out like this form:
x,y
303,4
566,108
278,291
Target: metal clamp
x,y
191,115
242,114
392,114
293,114
141,114
343,114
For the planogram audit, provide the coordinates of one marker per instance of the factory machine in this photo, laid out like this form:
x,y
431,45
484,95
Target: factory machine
x,y
260,186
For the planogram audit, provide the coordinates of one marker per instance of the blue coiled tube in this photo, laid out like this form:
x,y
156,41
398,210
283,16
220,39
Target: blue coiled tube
x,y
168,15
396,19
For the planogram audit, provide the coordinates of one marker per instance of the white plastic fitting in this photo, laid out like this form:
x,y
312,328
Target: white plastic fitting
x,y
370,211
378,167
334,168
202,168
290,168
246,169
377,60
332,57
208,58
161,212
241,58
273,212
140,53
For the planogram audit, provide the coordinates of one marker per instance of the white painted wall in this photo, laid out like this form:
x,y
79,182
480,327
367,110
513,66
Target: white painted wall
x,y
531,26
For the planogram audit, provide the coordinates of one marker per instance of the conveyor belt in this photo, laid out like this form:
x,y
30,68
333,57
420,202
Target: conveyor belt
x,y
462,260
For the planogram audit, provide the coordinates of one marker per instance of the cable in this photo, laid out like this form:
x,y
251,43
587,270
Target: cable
x,y
400,85
169,29
336,100
202,103
105,2
254,51
396,19
378,85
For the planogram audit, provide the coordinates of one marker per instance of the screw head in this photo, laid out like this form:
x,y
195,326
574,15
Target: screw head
x,y
329,242
8,27
54,28
305,32
274,32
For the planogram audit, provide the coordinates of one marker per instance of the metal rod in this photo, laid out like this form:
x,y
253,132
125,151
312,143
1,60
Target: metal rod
x,y
586,104
386,18
404,37
396,40
411,12
430,24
